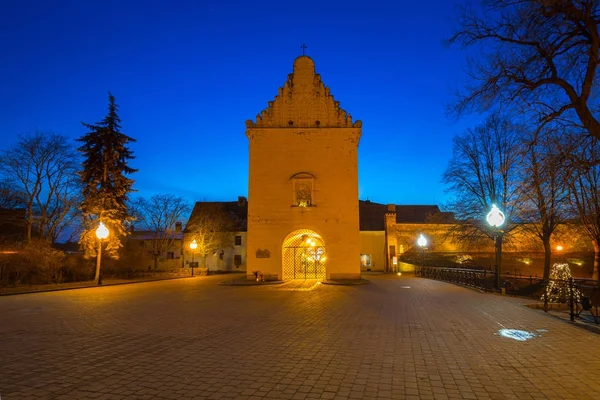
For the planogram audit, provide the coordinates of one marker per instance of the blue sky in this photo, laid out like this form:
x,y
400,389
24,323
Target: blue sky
x,y
188,74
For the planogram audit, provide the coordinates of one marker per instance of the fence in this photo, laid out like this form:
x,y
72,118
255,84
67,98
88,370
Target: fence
x,y
582,296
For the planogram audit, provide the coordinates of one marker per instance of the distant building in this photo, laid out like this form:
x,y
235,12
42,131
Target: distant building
x,y
303,218
377,250
141,242
220,231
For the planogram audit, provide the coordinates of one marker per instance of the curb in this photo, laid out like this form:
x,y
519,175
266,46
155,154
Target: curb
x,y
59,289
349,283
250,283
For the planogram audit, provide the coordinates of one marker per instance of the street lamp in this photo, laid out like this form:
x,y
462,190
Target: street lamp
x,y
559,248
101,233
193,246
496,219
422,242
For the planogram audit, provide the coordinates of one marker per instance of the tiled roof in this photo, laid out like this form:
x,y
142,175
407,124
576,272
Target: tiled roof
x,y
149,235
372,215
235,211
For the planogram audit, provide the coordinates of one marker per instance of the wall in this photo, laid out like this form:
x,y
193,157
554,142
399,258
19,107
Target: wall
x,y
373,243
213,260
522,251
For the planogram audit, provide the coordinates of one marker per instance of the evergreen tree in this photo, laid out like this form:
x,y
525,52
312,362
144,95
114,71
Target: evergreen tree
x,y
106,185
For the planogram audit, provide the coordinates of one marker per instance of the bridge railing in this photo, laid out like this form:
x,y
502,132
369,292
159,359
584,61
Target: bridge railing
x,y
581,296
477,278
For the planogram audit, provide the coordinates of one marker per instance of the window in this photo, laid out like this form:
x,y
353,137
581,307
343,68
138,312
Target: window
x,y
238,240
221,253
237,260
170,255
365,261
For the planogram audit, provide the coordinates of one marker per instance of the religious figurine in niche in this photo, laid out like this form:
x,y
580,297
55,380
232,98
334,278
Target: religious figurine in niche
x,y
303,194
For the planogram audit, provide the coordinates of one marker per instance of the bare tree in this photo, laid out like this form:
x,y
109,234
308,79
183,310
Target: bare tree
x,y
544,193
161,214
42,167
538,55
584,184
483,172
211,225
10,196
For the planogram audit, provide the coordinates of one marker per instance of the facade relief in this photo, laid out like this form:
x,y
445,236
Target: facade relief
x,y
304,101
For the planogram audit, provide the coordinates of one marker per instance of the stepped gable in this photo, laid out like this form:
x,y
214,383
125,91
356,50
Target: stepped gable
x,y
305,102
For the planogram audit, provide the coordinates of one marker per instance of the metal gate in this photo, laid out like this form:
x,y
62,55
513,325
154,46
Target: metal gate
x,y
301,262
304,256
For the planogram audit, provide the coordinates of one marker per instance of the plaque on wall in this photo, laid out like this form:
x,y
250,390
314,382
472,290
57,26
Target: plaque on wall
x,y
263,253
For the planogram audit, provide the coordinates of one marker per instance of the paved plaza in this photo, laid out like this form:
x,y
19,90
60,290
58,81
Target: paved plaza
x,y
396,338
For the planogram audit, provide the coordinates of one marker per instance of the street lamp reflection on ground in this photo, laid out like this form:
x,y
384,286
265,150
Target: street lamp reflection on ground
x,y
101,233
193,247
422,242
496,219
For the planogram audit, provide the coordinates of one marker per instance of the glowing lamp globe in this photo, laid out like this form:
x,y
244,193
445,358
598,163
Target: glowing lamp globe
x,y
101,231
559,248
193,245
495,217
422,241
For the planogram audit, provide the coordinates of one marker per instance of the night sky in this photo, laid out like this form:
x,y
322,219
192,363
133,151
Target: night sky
x,y
188,74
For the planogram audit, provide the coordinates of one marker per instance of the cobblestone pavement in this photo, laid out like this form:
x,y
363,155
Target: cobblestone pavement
x,y
399,337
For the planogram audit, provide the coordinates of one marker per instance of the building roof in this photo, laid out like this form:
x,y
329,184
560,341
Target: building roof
x,y
372,215
149,235
230,214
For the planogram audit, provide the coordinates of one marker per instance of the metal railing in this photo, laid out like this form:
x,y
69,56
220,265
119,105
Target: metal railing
x,y
580,295
477,278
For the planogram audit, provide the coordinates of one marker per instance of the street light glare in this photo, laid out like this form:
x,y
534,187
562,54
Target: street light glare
x,y
102,231
193,245
422,241
495,217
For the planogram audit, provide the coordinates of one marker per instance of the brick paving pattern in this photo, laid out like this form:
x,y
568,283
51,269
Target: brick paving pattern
x,y
396,338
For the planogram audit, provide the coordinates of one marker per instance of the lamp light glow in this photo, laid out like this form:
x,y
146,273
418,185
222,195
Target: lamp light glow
x,y
101,231
495,217
559,248
193,245
422,241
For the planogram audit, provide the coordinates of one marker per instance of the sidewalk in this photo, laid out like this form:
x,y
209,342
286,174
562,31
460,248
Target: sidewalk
x,y
53,287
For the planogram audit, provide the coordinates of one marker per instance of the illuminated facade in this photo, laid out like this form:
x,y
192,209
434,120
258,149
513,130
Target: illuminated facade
x,y
303,183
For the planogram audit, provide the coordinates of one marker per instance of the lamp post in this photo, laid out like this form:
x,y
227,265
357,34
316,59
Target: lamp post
x,y
101,233
193,246
422,242
496,219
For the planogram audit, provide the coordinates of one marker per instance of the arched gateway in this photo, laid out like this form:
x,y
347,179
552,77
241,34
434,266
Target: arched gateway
x,y
304,255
